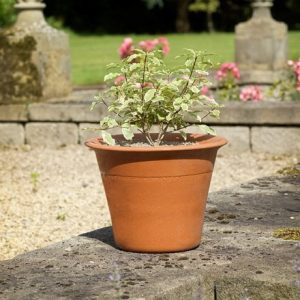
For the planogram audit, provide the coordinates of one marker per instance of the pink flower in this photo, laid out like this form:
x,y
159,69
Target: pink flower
x,y
204,90
251,93
164,44
295,66
148,45
227,69
119,79
126,48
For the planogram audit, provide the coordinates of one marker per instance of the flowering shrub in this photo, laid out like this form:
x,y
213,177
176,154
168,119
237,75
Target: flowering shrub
x,y
251,93
144,93
288,88
227,81
295,66
127,47
226,70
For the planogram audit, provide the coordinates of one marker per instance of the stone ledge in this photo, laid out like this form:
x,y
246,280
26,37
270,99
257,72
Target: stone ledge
x,y
238,257
263,113
13,112
75,108
68,112
12,134
51,134
276,140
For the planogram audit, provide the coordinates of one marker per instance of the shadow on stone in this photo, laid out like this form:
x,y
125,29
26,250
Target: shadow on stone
x,y
104,235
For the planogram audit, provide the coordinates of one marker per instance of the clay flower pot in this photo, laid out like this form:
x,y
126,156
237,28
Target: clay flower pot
x,y
157,195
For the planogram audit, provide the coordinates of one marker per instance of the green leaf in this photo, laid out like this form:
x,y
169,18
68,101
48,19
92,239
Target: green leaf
x,y
133,57
107,138
111,76
195,90
193,52
189,62
169,117
149,95
184,107
127,133
112,66
206,129
93,105
215,113
133,67
177,102
156,61
108,122
183,134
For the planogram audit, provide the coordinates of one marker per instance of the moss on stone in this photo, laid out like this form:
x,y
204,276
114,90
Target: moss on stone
x,y
20,80
287,233
293,171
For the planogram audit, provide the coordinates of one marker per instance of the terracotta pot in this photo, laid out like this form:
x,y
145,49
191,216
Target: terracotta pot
x,y
157,195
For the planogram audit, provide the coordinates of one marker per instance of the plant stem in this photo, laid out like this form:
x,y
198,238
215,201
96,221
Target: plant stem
x,y
191,73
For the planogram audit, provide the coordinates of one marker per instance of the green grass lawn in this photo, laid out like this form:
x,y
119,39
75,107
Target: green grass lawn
x,y
91,53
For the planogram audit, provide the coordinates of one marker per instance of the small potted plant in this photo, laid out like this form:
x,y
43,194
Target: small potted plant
x,y
156,184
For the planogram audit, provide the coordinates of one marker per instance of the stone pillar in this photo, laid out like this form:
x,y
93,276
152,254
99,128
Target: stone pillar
x,y
34,57
261,46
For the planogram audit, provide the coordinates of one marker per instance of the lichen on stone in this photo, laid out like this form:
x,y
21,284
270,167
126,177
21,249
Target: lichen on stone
x,y
287,233
19,80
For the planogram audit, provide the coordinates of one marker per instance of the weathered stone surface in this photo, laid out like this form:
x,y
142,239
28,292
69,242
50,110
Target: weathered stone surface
x,y
277,140
250,113
11,134
238,138
261,46
51,134
237,255
86,131
13,112
34,58
245,288
64,112
75,107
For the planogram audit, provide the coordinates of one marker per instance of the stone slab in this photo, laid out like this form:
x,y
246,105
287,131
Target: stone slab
x,y
64,112
87,131
75,108
11,134
263,113
13,112
51,134
238,138
237,259
276,140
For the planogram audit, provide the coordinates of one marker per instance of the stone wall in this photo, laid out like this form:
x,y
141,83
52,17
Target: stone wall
x,y
270,127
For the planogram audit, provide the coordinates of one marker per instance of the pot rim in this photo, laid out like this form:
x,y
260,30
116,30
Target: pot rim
x,y
203,141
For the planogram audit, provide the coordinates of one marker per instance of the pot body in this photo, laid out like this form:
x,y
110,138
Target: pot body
x,y
156,196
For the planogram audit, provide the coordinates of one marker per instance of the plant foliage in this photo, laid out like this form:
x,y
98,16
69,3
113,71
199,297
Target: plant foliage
x,y
144,93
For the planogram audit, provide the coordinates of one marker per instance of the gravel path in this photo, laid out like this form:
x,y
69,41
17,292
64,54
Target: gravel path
x,y
50,195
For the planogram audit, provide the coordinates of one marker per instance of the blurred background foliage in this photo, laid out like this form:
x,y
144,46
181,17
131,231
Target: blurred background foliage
x,y
7,13
153,16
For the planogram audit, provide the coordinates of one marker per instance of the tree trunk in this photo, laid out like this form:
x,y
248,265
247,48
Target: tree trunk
x,y
182,20
210,22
